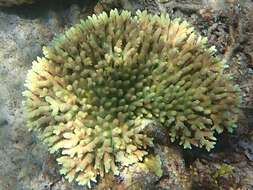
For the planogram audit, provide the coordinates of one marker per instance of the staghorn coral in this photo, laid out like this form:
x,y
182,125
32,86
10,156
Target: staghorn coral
x,y
99,84
9,3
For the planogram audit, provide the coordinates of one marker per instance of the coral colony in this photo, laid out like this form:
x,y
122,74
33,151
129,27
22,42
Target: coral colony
x,y
99,84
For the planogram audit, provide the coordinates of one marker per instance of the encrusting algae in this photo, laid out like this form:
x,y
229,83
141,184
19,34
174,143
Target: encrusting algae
x,y
99,84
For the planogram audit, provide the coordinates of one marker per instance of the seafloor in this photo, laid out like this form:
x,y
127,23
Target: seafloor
x,y
25,164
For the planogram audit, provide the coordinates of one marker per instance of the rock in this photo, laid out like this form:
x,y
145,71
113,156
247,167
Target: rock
x,y
217,175
164,169
130,5
175,175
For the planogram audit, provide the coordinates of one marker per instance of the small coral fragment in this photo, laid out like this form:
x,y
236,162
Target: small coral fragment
x,y
98,85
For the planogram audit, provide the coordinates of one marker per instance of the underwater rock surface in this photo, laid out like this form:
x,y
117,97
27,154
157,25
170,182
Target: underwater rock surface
x,y
25,164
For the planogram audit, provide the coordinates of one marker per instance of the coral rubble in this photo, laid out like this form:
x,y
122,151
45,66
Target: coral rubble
x,y
99,84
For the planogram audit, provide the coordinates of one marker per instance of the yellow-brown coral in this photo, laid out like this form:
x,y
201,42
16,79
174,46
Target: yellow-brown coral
x,y
101,82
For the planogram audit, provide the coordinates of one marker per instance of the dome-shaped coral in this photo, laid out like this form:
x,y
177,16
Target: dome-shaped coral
x,y
98,85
